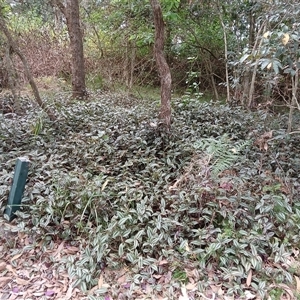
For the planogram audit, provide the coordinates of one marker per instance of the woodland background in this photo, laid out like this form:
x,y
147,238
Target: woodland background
x,y
190,192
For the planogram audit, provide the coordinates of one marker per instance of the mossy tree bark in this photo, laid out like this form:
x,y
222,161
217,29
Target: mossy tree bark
x,y
162,65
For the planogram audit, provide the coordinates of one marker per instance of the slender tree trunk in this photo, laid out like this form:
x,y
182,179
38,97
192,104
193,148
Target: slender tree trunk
x,y
295,81
132,65
246,86
13,45
256,47
12,78
162,65
71,13
251,28
126,62
210,72
129,64
225,56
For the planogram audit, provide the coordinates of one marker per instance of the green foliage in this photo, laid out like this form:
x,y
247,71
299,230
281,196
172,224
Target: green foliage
x,y
222,153
132,195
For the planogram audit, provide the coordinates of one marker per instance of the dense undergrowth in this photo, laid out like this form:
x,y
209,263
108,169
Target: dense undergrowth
x,y
215,201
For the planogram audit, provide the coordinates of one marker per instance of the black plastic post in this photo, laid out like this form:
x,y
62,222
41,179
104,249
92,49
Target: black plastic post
x,y
17,189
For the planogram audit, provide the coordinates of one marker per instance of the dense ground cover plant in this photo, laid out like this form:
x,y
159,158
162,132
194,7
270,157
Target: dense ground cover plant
x,y
212,202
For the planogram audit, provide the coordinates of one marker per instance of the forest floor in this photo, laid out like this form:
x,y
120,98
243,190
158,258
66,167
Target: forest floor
x,y
116,209
32,274
40,274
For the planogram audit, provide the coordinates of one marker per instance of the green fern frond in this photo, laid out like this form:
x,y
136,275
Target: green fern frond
x,y
223,153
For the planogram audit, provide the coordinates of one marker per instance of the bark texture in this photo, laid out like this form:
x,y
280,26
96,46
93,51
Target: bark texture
x,y
162,65
71,13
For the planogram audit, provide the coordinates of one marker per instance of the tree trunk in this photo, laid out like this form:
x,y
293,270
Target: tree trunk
x,y
295,81
12,78
256,47
162,65
129,64
71,13
251,28
13,45
209,71
225,55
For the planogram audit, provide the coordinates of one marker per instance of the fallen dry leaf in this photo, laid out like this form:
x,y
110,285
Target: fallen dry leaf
x,y
71,250
122,279
16,257
297,283
9,268
191,286
57,253
249,278
4,281
249,295
184,295
2,266
100,281
69,292
21,281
